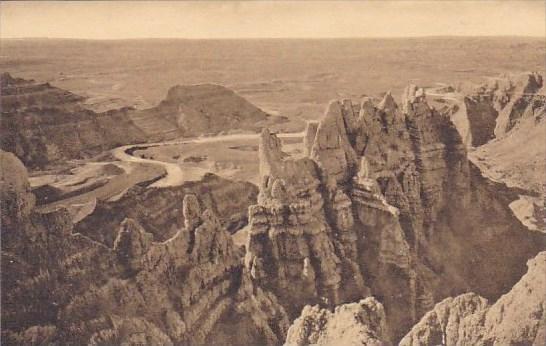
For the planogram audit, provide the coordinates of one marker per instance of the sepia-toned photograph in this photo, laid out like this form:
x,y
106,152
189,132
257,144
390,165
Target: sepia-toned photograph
x,y
273,173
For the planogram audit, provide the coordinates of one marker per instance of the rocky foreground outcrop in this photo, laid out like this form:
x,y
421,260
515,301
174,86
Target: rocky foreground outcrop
x,y
387,204
517,318
362,323
43,124
63,287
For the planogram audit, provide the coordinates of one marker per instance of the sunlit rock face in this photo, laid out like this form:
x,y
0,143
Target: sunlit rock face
x,y
331,148
17,199
514,106
354,324
63,287
209,108
386,204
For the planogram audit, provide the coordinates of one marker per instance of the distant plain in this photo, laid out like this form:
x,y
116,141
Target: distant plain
x,y
291,77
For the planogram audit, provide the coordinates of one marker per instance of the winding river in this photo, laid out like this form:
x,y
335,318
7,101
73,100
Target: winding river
x,y
175,175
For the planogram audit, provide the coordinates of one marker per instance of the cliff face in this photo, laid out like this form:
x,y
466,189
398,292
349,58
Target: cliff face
x,y
504,123
388,204
63,287
42,124
290,248
385,204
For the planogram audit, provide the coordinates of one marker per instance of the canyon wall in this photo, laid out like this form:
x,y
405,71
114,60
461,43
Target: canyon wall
x,y
387,204
516,155
504,124
63,287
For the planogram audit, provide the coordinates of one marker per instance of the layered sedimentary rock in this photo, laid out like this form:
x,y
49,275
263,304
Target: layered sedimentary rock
x,y
386,204
359,324
192,110
517,97
292,275
517,318
62,287
42,124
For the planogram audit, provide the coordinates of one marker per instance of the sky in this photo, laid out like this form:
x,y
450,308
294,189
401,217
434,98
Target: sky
x,y
265,19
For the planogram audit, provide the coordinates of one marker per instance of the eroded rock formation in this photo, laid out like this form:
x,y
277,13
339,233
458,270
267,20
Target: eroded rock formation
x,y
63,287
331,148
210,108
300,260
516,156
504,123
386,204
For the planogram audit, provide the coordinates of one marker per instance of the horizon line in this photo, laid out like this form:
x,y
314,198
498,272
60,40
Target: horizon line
x,y
269,38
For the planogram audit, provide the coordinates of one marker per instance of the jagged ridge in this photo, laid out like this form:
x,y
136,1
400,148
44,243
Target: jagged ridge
x,y
409,228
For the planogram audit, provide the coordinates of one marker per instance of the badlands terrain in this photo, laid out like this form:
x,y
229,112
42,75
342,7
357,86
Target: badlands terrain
x,y
270,192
